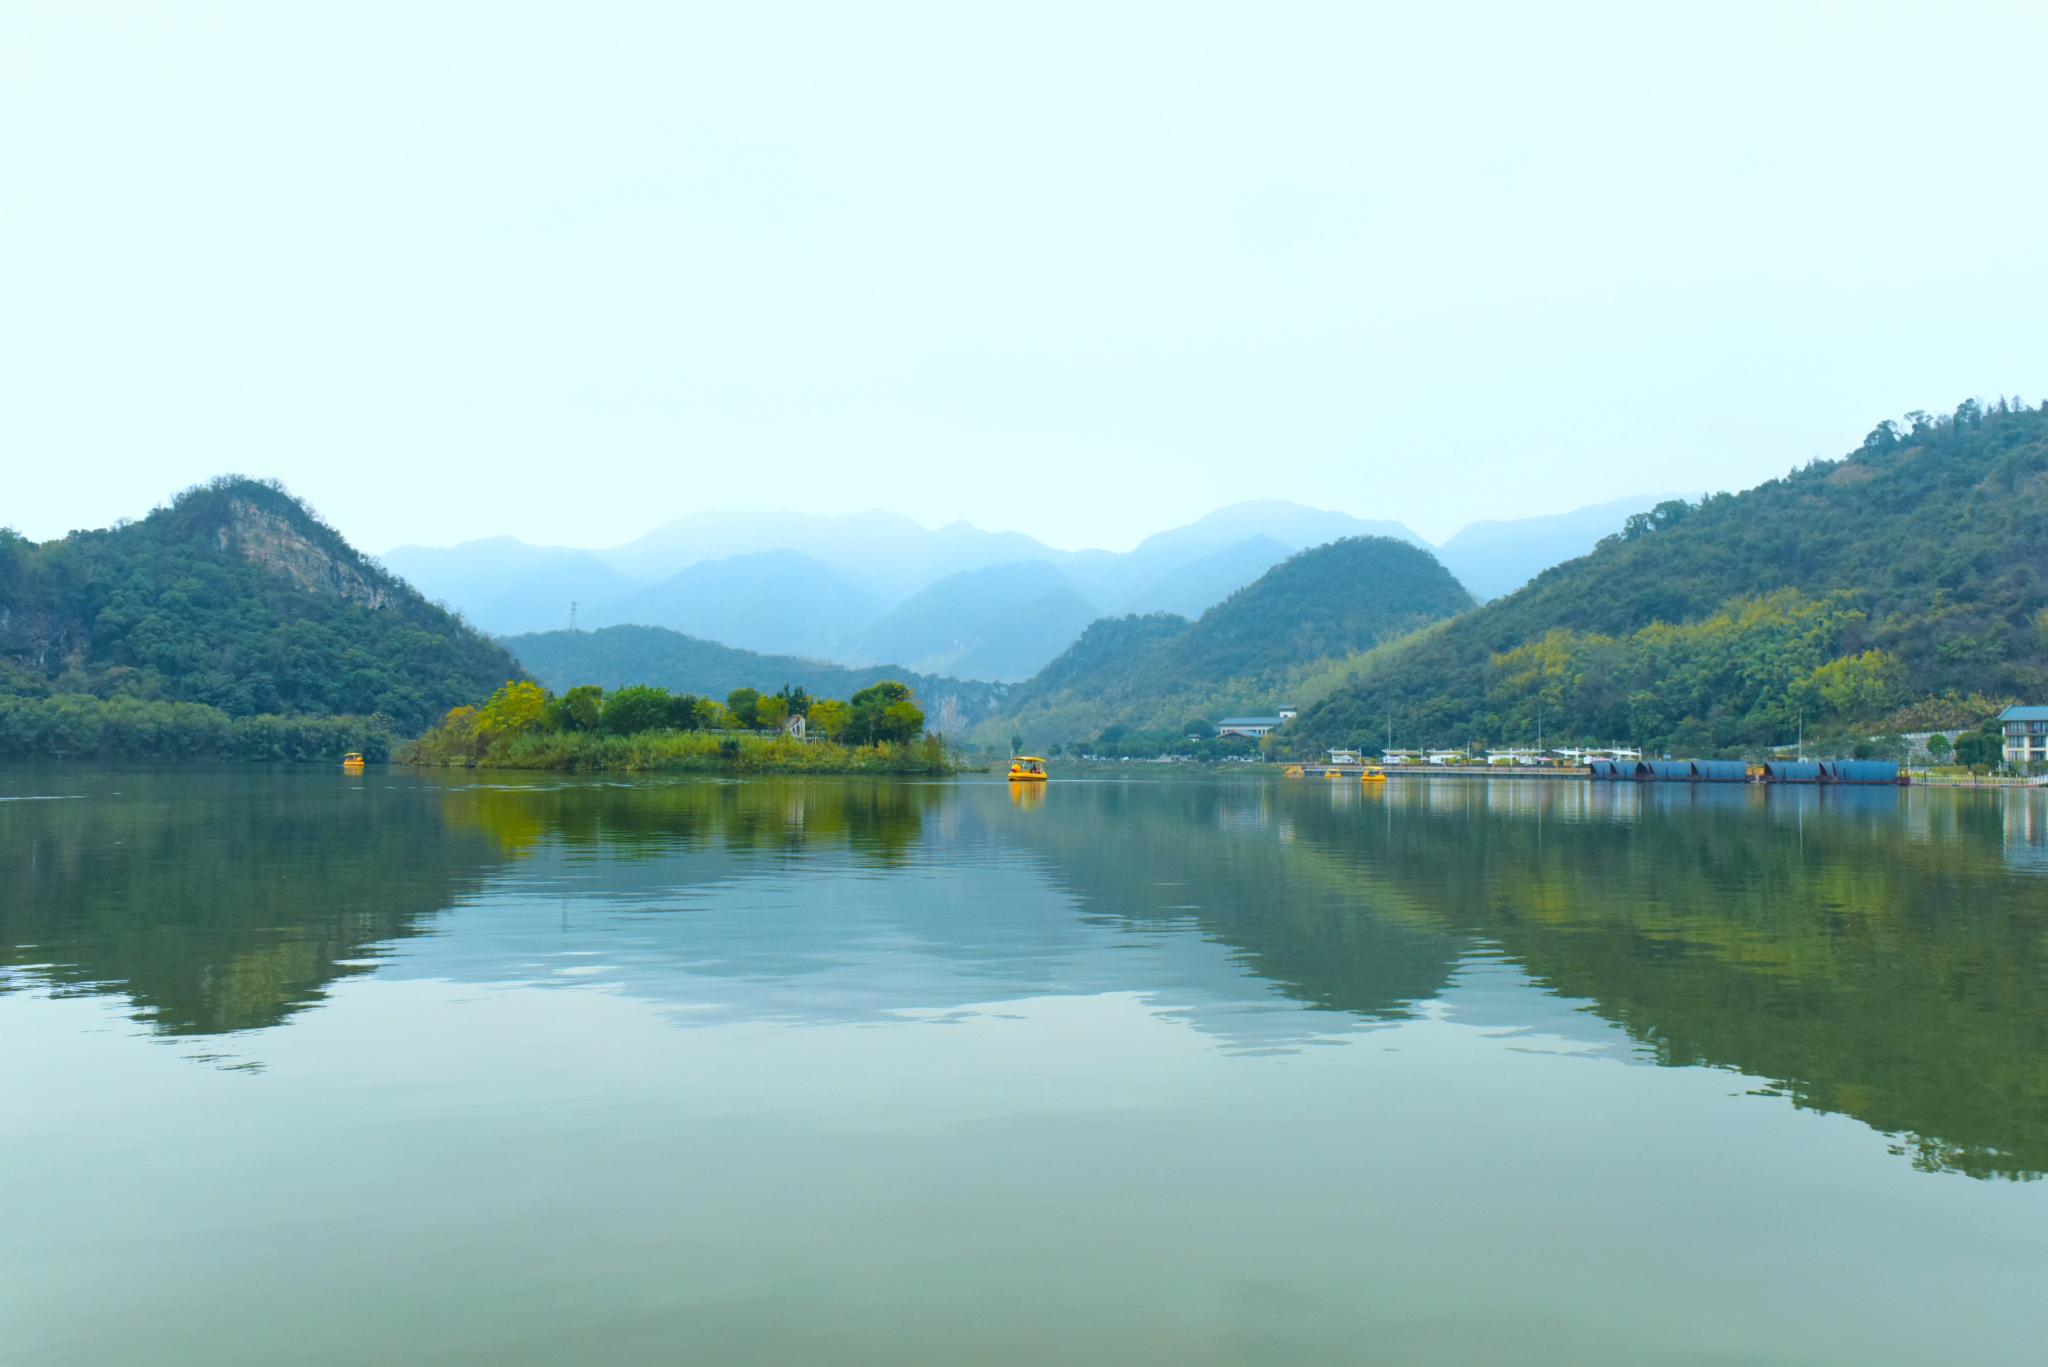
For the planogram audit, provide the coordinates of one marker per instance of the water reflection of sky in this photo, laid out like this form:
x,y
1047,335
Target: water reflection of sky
x,y
723,936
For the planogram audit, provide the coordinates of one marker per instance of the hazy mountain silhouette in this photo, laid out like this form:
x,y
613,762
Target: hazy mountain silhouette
x,y
505,585
862,588
778,602
1493,558
1000,623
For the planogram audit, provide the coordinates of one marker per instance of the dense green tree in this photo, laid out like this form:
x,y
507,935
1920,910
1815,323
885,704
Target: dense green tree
x,y
743,702
795,700
685,711
830,718
900,723
884,711
631,711
577,710
1980,749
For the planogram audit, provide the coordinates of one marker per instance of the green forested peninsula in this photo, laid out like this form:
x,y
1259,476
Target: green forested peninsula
x,y
1259,648
1904,586
880,729
171,636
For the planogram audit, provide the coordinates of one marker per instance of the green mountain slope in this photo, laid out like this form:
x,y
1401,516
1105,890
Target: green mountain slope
x,y
1251,651
1884,588
616,657
234,596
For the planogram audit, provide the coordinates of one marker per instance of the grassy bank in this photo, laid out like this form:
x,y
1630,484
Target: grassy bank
x,y
678,752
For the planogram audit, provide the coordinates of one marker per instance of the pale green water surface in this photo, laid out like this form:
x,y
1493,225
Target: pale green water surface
x,y
408,1068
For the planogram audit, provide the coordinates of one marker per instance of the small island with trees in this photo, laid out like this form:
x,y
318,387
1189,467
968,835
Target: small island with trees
x,y
879,730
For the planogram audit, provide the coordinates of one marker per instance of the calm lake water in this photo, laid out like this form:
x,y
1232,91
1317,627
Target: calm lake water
x,y
406,1068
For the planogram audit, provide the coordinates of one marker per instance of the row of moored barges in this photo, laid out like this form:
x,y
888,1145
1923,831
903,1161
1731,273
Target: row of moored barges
x,y
1871,771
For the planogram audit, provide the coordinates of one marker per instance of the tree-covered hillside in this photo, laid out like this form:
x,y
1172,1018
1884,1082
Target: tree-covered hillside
x,y
618,657
1906,583
236,597
1252,650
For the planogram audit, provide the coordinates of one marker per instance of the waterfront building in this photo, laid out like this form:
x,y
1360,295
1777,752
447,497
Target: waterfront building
x,y
2026,734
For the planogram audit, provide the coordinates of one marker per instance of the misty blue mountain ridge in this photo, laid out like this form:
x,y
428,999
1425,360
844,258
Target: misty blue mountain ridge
x,y
869,588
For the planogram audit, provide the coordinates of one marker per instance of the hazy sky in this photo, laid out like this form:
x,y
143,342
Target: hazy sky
x,y
567,271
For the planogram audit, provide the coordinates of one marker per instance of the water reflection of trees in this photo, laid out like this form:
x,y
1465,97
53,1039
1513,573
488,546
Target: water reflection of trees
x,y
878,819
1220,858
1873,953
1880,955
220,901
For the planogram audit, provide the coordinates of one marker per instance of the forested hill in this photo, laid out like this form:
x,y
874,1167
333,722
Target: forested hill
x,y
617,657
1902,587
1250,651
234,596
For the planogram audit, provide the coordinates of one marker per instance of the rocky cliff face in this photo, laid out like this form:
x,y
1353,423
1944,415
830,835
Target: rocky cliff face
x,y
271,542
42,640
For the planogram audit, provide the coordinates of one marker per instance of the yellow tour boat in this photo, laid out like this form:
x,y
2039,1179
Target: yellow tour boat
x,y
352,762
1027,769
1373,774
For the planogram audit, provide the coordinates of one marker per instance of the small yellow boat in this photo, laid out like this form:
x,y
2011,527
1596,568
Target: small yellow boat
x,y
1373,774
1027,769
352,762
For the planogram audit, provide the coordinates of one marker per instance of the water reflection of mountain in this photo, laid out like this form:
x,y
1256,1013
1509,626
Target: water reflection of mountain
x,y
849,901
218,900
1877,954
1873,952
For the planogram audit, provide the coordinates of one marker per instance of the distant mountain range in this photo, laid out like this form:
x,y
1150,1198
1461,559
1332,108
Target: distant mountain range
x,y
872,588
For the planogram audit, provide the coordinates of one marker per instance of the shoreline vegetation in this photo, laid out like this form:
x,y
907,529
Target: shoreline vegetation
x,y
880,730
74,726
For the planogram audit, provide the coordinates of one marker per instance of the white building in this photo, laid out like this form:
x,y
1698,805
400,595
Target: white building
x,y
2026,734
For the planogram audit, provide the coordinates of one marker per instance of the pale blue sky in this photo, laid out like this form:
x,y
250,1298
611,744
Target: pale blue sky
x,y
1079,270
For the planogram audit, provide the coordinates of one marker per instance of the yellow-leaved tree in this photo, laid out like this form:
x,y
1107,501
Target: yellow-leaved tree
x,y
513,710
